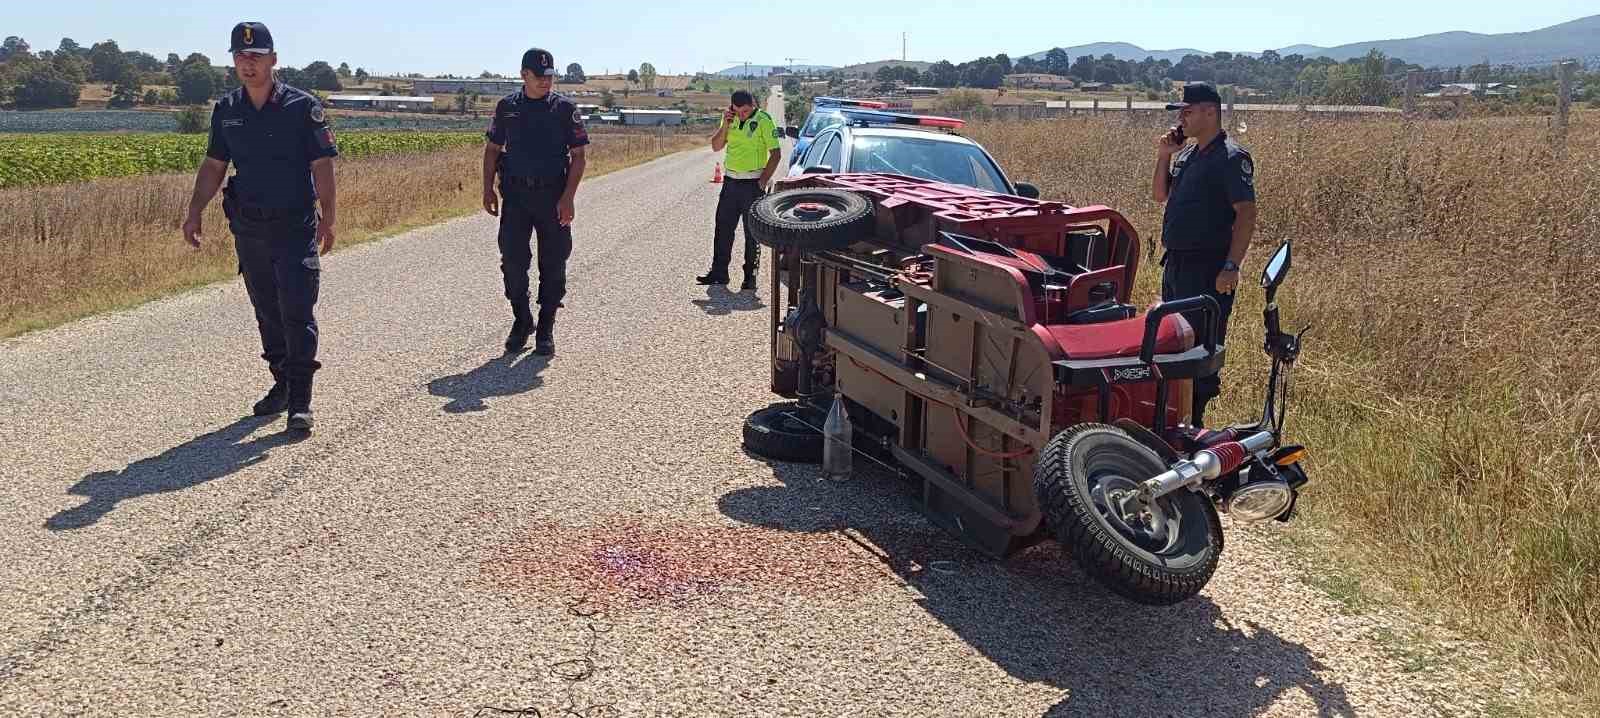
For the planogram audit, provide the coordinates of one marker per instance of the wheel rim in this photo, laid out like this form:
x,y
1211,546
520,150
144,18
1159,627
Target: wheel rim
x,y
1154,527
810,210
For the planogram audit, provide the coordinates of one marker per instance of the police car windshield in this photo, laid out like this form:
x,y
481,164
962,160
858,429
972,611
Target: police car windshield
x,y
953,162
820,120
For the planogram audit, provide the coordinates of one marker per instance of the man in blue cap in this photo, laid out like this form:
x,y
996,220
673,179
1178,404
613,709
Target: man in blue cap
x,y
536,147
279,142
1210,196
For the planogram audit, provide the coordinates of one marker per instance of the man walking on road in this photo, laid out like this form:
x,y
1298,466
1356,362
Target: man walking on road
x,y
753,143
1210,196
536,146
279,141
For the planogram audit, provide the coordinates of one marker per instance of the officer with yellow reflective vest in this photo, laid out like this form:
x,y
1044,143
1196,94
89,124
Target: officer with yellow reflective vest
x,y
752,141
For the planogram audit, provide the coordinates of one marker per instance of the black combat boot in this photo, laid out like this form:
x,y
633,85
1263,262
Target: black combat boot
x,y
276,399
545,340
300,403
712,278
521,327
750,283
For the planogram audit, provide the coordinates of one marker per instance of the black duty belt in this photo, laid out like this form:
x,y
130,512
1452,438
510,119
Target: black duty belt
x,y
271,214
536,182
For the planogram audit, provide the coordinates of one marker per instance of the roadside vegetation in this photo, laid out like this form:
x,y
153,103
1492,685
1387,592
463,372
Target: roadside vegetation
x,y
72,250
1450,387
40,159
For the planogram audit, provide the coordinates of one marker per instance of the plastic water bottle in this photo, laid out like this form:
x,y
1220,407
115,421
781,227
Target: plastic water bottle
x,y
836,442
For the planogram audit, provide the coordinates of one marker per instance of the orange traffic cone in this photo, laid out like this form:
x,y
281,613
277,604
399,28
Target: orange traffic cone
x,y
716,175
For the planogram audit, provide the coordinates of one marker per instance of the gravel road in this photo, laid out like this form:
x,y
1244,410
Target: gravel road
x,y
466,530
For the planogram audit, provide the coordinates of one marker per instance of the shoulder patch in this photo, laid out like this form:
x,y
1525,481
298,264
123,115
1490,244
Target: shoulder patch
x,y
316,112
1244,165
577,116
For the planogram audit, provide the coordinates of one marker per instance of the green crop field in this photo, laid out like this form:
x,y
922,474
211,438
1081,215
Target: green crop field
x,y
43,159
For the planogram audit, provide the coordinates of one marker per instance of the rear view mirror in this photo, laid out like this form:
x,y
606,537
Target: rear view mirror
x,y
1277,268
1027,189
792,131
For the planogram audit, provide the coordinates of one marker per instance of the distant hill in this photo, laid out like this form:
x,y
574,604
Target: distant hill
x,y
764,70
1579,39
867,69
1122,51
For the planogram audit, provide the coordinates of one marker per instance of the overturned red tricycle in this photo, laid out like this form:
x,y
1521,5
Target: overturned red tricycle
x,y
984,345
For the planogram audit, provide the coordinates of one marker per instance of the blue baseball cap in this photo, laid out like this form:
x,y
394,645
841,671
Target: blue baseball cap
x,y
252,37
540,61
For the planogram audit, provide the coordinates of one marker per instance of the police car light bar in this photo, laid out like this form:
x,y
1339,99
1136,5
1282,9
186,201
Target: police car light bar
x,y
841,102
900,118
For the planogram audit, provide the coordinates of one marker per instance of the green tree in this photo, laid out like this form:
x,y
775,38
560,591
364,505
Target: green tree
x,y
633,76
40,86
321,76
344,70
72,67
152,96
361,76
106,62
1375,88
647,75
943,74
125,90
575,74
197,83
13,47
69,46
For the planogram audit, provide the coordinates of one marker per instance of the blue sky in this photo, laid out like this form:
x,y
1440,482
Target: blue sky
x,y
465,37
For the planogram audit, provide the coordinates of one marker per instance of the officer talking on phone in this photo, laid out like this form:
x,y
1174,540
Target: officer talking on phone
x,y
754,149
1210,196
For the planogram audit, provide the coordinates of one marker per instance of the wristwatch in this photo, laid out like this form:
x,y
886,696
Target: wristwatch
x,y
1230,266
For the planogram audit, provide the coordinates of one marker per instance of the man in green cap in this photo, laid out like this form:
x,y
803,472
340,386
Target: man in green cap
x,y
752,141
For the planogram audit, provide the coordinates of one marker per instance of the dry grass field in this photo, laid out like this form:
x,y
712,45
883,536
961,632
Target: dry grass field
x,y
1449,389
68,251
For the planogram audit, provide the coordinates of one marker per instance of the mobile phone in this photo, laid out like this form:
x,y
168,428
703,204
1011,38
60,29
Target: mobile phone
x,y
1177,135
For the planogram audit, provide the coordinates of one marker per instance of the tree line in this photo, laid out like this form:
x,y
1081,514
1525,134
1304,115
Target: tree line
x,y
1373,79
50,78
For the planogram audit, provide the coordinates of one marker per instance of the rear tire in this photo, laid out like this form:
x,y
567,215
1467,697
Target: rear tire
x,y
779,432
1084,466
810,220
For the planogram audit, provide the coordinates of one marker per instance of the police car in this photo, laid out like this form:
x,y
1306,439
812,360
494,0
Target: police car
x,y
825,112
905,144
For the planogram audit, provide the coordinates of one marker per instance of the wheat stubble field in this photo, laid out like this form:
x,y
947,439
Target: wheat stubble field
x,y
1449,389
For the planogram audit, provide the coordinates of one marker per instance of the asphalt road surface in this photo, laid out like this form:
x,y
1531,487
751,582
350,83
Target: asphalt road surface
x,y
584,533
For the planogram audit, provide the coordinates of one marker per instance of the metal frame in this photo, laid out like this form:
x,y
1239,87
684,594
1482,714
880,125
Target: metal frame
x,y
962,370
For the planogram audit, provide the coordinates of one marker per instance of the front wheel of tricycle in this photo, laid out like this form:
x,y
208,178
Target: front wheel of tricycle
x,y
1157,554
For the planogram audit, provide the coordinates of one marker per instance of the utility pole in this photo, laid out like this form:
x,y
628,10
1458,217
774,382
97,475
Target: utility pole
x,y
903,56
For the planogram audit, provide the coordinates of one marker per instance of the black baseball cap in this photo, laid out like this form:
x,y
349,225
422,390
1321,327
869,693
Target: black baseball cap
x,y
540,61
1196,92
251,37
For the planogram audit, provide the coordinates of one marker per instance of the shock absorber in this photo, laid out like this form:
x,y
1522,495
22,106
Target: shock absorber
x,y
1207,465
